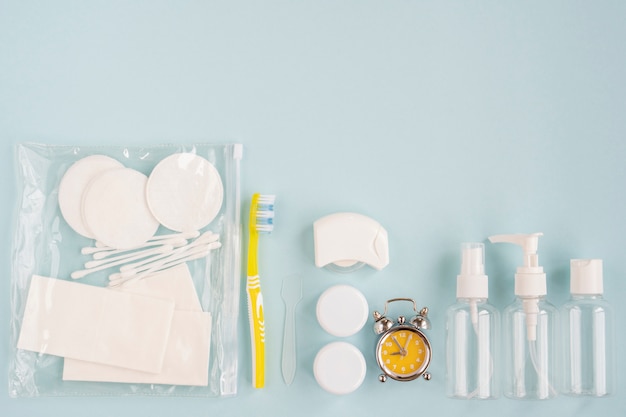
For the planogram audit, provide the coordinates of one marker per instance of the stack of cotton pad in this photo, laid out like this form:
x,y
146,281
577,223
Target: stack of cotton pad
x,y
122,208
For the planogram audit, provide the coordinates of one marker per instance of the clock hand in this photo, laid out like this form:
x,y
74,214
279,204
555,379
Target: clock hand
x,y
396,342
408,340
402,350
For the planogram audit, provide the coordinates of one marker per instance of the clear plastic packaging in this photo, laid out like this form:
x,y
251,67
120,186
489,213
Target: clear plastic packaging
x,y
46,250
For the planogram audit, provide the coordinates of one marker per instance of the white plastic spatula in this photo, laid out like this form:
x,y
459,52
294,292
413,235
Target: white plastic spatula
x,y
292,294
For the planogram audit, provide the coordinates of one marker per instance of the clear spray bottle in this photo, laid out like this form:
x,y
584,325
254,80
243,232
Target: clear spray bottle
x,y
588,332
472,332
530,327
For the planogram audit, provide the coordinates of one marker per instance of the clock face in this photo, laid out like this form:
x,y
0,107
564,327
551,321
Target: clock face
x,y
403,353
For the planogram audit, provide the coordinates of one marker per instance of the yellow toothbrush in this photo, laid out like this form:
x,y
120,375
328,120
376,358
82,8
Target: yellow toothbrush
x,y
261,221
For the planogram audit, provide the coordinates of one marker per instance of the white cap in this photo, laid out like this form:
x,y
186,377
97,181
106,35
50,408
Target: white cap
x,y
342,310
586,276
472,281
339,368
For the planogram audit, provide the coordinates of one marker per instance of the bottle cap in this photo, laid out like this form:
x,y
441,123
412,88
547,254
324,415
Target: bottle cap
x,y
472,281
586,276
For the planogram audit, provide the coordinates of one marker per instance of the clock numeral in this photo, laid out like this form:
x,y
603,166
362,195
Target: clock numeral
x,y
412,366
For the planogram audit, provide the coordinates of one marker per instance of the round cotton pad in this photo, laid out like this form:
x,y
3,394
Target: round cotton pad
x,y
339,368
342,310
115,209
72,188
185,192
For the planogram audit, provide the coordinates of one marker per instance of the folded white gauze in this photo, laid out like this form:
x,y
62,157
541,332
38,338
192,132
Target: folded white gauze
x,y
94,324
187,355
186,359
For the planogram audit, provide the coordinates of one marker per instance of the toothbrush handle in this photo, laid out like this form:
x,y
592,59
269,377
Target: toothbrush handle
x,y
257,330
289,346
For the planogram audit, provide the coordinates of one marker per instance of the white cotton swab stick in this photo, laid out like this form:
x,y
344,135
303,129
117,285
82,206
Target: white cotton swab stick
x,y
161,267
139,255
118,260
101,254
205,238
171,259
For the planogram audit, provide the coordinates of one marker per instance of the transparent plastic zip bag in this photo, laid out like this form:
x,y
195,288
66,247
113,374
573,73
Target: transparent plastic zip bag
x,y
94,312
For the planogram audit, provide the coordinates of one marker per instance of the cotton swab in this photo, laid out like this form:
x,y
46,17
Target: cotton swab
x,y
197,254
101,254
140,255
207,237
173,257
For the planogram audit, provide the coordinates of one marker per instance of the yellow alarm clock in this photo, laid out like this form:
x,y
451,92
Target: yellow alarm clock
x,y
403,351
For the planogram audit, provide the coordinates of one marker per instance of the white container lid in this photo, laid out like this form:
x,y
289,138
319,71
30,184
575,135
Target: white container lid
x,y
586,276
339,368
342,310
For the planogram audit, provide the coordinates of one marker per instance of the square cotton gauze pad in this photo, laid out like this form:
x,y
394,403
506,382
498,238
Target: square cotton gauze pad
x,y
94,324
186,359
187,355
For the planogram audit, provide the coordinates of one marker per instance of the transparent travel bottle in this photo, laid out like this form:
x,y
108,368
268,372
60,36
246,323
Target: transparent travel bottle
x,y
588,332
472,332
530,329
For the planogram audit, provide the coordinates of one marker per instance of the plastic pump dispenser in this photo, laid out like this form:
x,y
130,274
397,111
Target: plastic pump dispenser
x,y
472,331
588,331
530,326
530,280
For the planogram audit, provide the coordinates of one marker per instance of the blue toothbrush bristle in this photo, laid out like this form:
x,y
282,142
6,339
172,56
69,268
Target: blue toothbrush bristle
x,y
265,213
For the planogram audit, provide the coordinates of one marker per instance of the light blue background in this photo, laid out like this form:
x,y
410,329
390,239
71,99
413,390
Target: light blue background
x,y
445,121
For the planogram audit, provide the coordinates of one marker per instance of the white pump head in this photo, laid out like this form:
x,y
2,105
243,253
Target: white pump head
x,y
472,281
530,280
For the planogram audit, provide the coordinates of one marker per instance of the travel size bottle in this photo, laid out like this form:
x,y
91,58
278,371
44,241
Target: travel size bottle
x,y
472,332
530,327
588,332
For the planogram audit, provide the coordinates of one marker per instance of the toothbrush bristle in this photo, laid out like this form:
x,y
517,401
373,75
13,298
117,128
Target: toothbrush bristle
x,y
265,213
